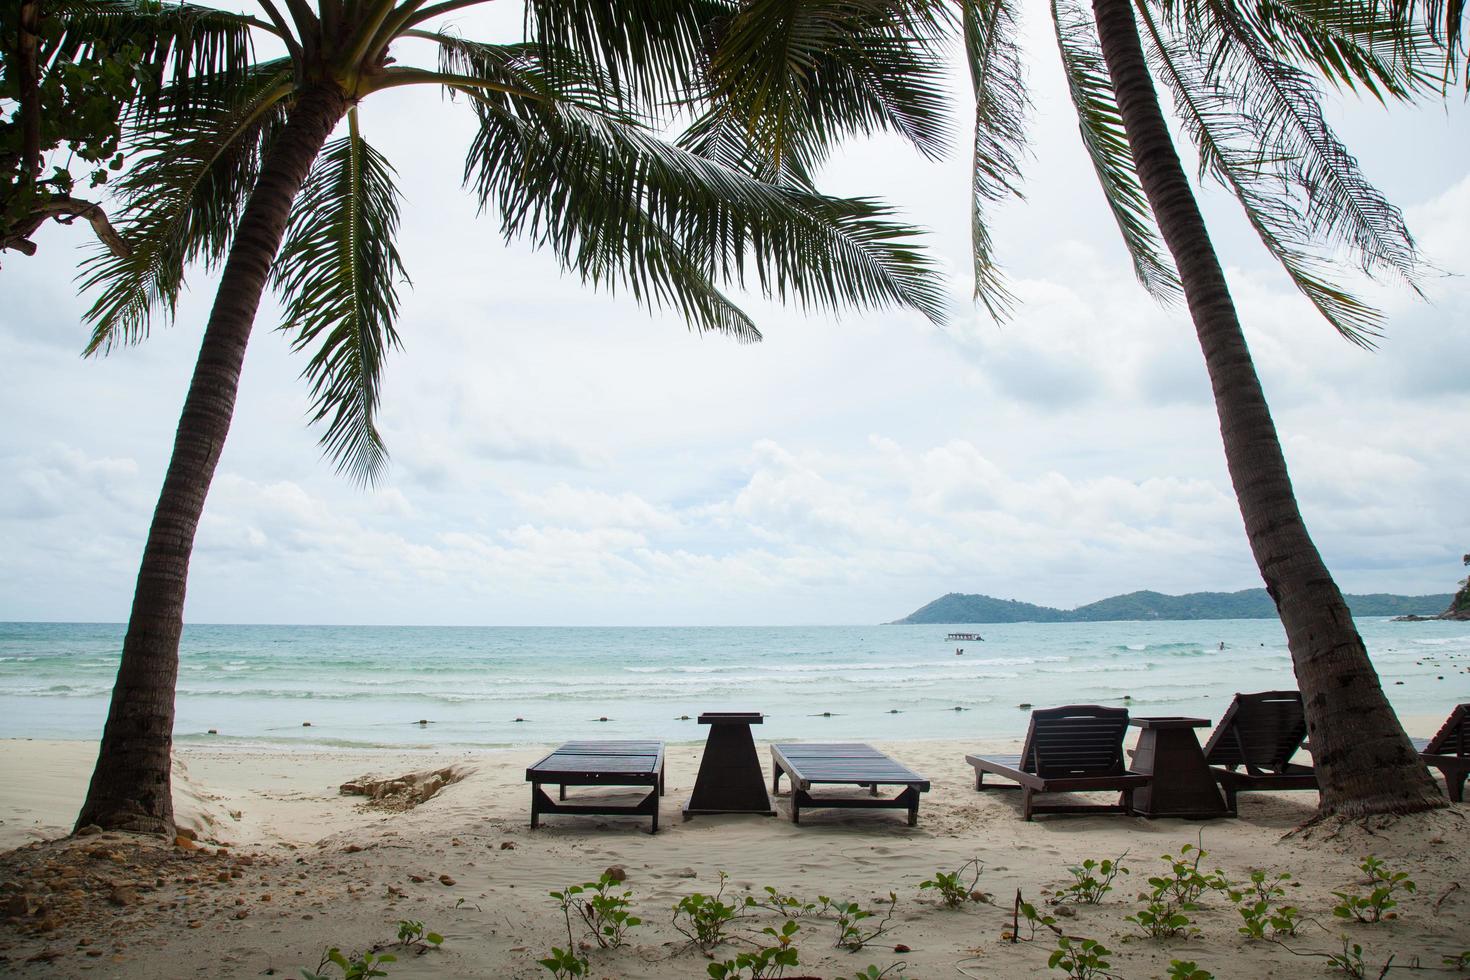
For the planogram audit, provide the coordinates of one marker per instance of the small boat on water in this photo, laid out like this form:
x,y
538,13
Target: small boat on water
x,y
973,637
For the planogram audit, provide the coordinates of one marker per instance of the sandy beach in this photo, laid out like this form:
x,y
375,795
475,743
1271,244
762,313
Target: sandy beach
x,y
286,865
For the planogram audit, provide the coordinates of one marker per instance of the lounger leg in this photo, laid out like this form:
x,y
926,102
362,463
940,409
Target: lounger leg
x,y
775,778
1127,801
1026,794
872,789
535,806
561,792
979,779
1454,784
796,796
660,779
911,795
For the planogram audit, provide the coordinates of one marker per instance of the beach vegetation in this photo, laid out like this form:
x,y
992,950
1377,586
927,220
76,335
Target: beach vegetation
x,y
650,150
1461,960
1161,916
705,920
604,911
1247,92
894,971
1349,962
1092,879
770,960
785,905
857,926
953,890
358,966
1379,900
1024,911
1188,970
565,963
412,934
1263,914
1079,959
1184,883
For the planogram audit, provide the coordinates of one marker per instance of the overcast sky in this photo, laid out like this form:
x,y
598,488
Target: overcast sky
x,y
561,457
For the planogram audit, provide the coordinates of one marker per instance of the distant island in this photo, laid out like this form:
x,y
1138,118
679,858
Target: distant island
x,y
1247,604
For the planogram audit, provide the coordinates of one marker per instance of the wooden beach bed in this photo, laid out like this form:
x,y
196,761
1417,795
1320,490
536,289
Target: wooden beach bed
x,y
1077,748
1260,733
611,763
1449,751
844,764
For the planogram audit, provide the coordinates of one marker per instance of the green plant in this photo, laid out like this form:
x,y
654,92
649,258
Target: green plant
x,y
1349,962
362,966
1259,911
1184,882
871,972
604,911
851,934
412,934
766,961
1162,917
786,905
952,890
1373,906
1081,959
704,918
565,963
1023,909
1188,970
1092,880
1458,961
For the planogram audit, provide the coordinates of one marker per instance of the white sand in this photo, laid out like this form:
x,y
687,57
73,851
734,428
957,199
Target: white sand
x,y
284,808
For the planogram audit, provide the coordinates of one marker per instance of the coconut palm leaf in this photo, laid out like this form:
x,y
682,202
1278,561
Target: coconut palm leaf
x,y
338,274
998,80
1279,109
588,187
648,49
1350,43
1446,22
799,75
1107,146
198,53
1227,151
183,198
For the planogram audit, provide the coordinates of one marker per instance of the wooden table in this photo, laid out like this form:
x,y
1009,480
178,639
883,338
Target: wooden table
x,y
1181,785
730,779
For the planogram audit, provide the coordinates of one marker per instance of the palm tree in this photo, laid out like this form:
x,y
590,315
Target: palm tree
x,y
239,170
1243,93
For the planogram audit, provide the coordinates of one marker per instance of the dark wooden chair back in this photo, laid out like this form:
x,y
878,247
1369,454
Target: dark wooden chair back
x,y
1453,737
1077,740
1259,731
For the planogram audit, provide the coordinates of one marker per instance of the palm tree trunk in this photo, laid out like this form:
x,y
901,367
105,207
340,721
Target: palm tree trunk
x,y
1365,762
130,787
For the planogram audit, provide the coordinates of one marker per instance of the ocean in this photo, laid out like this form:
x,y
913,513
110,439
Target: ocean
x,y
362,686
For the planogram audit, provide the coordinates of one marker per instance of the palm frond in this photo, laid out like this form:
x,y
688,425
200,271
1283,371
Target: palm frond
x,y
647,49
196,53
999,83
621,207
182,199
1106,143
799,75
1445,20
1227,152
1351,43
1276,110
338,273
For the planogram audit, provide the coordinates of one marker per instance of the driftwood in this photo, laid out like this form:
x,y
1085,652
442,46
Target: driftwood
x,y
403,792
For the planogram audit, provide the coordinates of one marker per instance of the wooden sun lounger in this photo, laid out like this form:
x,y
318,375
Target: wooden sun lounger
x,y
1078,748
1260,732
1449,751
615,763
844,763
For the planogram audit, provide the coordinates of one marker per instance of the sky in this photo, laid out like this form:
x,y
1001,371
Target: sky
x,y
560,456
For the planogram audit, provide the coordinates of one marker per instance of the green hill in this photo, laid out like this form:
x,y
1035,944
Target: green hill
x,y
1247,604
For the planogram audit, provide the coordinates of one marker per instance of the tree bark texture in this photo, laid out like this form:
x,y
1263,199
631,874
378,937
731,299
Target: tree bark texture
x,y
131,788
1364,760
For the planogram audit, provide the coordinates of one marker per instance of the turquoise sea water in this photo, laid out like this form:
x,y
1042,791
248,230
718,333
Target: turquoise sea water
x,y
369,686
